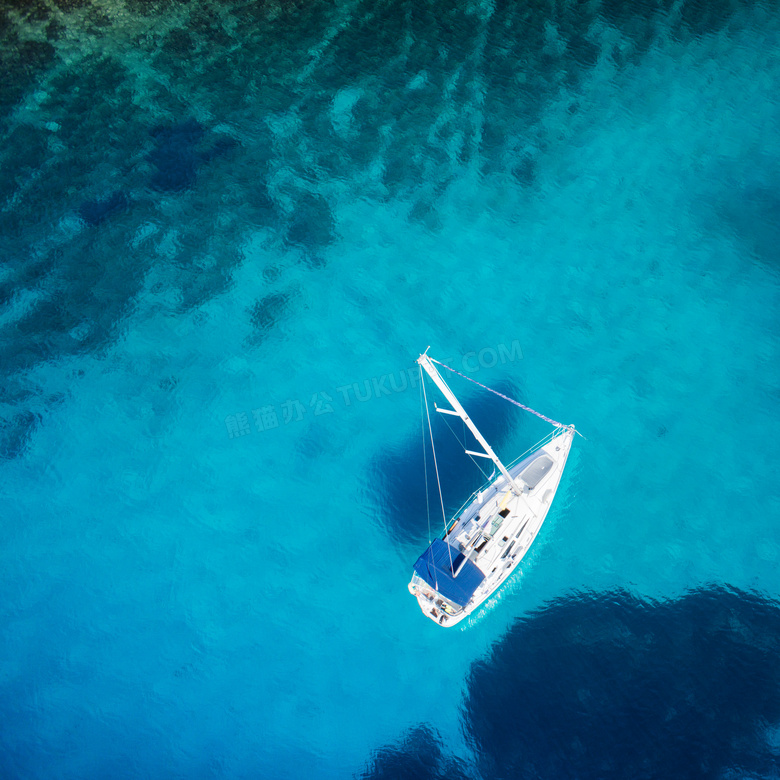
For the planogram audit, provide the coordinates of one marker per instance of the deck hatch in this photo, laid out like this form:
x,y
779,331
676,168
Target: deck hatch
x,y
532,474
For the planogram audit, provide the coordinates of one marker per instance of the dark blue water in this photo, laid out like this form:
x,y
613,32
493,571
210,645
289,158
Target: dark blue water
x,y
608,685
226,232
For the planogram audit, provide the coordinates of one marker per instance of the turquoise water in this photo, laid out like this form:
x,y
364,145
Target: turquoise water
x,y
212,210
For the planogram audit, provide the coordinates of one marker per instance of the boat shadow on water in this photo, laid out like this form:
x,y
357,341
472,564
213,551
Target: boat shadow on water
x,y
611,686
401,473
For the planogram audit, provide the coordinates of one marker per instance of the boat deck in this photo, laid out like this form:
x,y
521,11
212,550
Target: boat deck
x,y
492,534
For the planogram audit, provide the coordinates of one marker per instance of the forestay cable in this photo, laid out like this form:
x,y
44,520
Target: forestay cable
x,y
505,397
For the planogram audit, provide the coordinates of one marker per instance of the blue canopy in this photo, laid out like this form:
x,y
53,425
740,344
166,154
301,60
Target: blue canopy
x,y
434,567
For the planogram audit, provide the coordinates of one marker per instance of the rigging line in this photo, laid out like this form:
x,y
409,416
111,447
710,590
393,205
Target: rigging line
x,y
425,458
505,397
438,481
463,444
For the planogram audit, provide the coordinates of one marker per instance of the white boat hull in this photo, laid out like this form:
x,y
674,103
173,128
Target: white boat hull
x,y
490,536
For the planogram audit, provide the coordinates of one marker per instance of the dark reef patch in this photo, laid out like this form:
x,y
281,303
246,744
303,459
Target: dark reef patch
x,y
15,433
429,88
641,21
30,150
524,170
702,17
158,7
88,294
222,145
24,63
595,687
613,687
97,20
266,312
260,207
312,225
71,5
175,155
93,212
417,756
55,30
178,153
752,213
179,43
424,213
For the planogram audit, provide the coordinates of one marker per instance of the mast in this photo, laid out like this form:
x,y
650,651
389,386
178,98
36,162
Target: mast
x,y
425,362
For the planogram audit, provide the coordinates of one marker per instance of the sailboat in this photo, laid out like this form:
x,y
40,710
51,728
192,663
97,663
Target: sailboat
x,y
488,536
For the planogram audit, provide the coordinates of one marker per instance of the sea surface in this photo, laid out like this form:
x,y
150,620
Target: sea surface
x,y
228,229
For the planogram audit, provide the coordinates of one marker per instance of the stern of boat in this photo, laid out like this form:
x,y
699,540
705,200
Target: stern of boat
x,y
434,606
